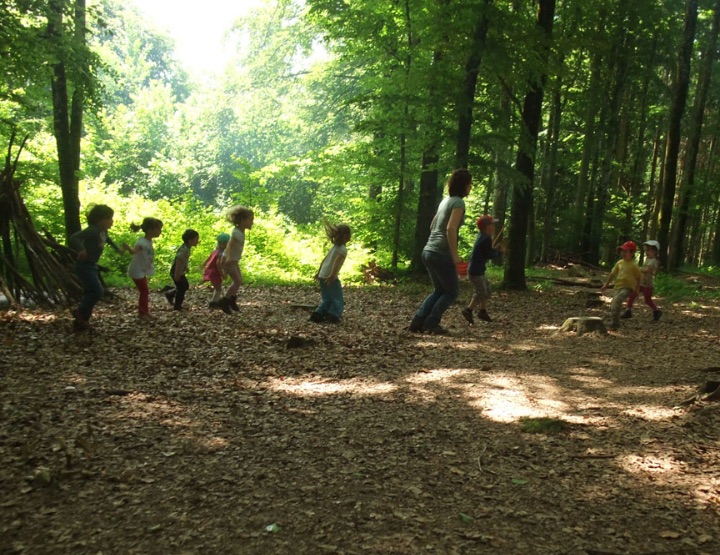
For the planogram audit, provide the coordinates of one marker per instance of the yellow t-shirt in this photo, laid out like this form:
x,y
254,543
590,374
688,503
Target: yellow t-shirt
x,y
627,275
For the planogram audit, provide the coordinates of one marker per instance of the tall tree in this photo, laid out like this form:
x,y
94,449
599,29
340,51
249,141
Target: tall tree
x,y
466,100
68,107
677,109
687,191
522,196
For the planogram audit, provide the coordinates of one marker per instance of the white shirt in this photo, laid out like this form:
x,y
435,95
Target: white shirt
x,y
234,250
327,265
142,263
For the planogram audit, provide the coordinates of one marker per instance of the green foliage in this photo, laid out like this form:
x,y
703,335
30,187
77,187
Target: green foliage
x,y
276,251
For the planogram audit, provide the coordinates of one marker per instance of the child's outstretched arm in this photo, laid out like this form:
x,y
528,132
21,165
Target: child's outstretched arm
x,y
610,278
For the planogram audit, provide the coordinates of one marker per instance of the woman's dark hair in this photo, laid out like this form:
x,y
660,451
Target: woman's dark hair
x,y
458,182
99,212
189,235
146,225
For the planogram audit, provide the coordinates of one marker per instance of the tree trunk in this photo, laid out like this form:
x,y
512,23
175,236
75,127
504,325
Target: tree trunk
x,y
522,198
681,85
427,203
548,181
611,140
589,149
403,143
675,258
466,100
502,156
68,117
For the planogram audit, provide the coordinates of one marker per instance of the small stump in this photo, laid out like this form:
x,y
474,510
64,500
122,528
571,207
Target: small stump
x,y
584,324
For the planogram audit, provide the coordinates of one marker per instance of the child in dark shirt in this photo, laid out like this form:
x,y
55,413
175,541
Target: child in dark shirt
x,y
89,244
483,250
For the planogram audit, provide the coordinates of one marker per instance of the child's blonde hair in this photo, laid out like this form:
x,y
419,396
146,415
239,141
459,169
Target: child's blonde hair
x,y
237,213
338,234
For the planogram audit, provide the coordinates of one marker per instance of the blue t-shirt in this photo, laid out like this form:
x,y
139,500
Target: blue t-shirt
x,y
481,253
437,241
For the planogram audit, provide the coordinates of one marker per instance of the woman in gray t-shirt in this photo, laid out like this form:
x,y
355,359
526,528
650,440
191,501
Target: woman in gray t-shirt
x,y
440,255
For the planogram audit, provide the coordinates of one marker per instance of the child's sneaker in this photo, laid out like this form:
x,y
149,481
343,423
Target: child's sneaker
x,y
224,305
316,317
468,315
233,303
484,316
80,323
170,296
332,319
627,314
656,315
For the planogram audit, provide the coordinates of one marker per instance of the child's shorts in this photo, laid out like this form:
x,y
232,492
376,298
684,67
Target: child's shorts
x,y
482,288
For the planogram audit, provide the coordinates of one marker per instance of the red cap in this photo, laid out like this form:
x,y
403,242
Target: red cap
x,y
486,220
628,246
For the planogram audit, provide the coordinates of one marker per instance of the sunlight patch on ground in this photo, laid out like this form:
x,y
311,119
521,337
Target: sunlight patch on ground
x,y
76,379
505,399
652,413
142,406
653,464
307,388
591,381
438,375
211,443
528,347
547,327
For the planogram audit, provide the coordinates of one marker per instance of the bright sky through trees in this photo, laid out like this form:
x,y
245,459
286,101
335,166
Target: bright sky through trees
x,y
198,28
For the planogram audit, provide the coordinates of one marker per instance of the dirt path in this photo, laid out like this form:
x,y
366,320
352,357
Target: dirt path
x,y
203,433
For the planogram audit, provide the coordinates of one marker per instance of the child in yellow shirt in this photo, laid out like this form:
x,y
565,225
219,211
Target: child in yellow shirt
x,y
627,276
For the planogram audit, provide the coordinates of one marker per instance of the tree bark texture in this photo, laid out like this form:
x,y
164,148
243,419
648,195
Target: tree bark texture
x,y
522,197
677,252
677,108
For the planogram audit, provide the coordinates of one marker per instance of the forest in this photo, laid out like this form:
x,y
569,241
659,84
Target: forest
x,y
583,123
253,430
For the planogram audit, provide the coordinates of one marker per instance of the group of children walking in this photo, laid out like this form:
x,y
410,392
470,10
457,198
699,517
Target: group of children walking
x,y
224,261
439,256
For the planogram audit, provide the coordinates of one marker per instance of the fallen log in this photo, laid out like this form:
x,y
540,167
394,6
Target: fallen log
x,y
568,282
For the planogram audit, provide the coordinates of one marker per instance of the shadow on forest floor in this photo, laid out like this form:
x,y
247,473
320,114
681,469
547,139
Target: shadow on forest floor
x,y
202,433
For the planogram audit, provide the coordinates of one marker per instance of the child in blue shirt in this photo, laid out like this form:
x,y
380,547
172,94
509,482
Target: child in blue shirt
x,y
483,250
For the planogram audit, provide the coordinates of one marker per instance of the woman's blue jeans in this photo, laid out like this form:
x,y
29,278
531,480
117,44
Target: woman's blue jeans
x,y
332,298
446,288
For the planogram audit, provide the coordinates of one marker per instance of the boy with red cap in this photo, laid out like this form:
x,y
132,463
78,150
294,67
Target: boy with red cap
x,y
483,250
627,276
649,270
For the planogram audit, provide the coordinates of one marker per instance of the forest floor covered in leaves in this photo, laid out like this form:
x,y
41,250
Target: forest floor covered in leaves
x,y
261,433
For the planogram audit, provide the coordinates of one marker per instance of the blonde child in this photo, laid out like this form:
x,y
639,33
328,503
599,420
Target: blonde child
x,y
242,219
627,275
180,267
212,269
142,264
89,244
333,304
649,271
